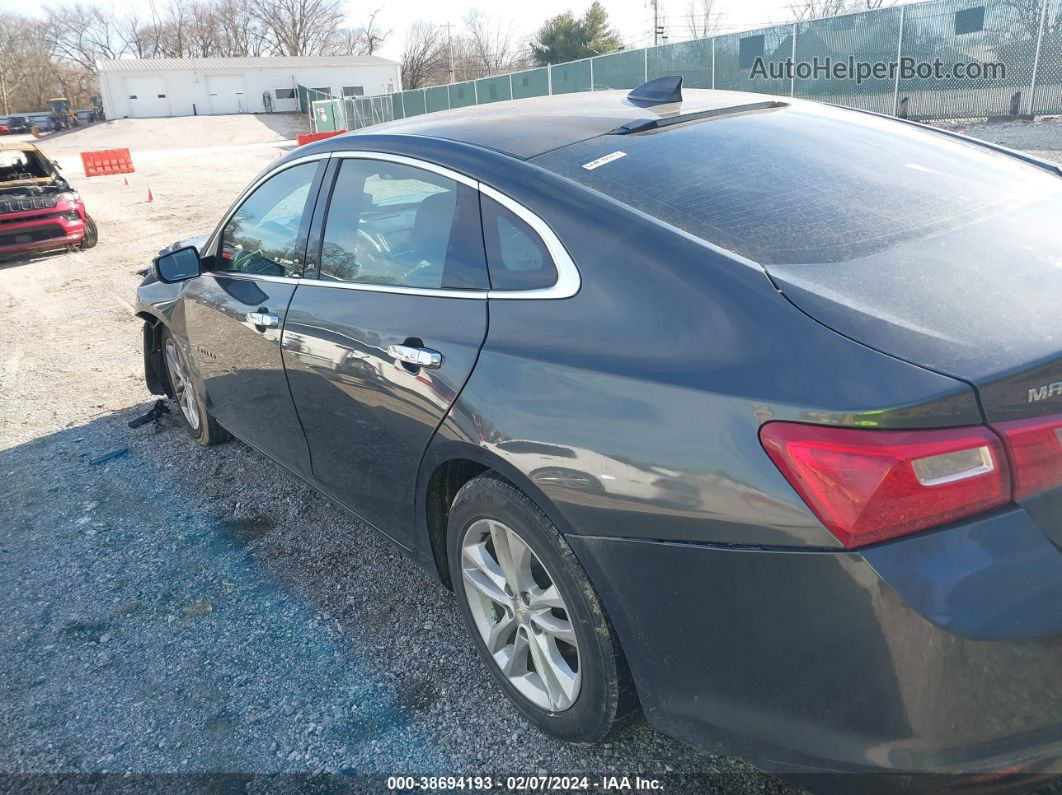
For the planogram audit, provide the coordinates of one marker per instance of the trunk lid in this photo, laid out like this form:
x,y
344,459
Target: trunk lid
x,y
979,299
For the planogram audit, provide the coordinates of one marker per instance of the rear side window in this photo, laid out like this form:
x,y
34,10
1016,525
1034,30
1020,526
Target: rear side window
x,y
806,184
516,255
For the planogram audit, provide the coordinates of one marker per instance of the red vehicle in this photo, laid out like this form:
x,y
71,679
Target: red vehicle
x,y
39,210
5,128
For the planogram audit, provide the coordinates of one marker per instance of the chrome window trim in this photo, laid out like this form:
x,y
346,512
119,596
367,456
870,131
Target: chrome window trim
x,y
253,277
412,162
367,288
568,280
433,292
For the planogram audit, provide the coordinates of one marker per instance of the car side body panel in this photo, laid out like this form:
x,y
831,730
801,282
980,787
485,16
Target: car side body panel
x,y
240,365
634,405
368,418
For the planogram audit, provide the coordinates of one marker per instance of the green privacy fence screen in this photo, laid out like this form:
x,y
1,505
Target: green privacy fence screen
x,y
494,89
931,60
532,83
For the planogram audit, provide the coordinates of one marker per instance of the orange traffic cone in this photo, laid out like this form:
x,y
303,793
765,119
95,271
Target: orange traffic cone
x,y
150,197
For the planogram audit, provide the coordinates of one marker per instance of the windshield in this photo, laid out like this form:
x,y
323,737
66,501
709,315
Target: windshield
x,y
806,184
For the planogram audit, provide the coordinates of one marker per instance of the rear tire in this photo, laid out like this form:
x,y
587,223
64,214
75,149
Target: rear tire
x,y
196,419
92,235
546,620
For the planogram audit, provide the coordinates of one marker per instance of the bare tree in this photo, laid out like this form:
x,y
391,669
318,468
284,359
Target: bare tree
x,y
175,33
301,27
82,34
135,35
203,40
15,49
31,72
365,39
423,55
702,18
239,32
819,9
487,46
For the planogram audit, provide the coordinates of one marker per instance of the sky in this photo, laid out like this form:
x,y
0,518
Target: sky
x,y
633,19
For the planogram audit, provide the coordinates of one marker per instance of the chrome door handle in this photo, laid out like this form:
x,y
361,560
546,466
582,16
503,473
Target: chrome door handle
x,y
264,319
419,357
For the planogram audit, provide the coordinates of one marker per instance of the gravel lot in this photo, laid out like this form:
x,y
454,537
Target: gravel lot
x,y
183,609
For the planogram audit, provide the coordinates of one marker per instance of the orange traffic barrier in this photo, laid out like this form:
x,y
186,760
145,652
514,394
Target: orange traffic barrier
x,y
107,161
308,138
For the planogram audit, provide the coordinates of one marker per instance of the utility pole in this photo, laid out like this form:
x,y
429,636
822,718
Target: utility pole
x,y
658,29
450,46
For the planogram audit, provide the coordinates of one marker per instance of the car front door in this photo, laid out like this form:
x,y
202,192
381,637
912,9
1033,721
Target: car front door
x,y
235,312
380,344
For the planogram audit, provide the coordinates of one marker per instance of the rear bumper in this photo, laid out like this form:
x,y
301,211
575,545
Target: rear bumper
x,y
941,652
44,229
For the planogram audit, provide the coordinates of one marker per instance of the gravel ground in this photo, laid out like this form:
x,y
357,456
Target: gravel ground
x,y
179,609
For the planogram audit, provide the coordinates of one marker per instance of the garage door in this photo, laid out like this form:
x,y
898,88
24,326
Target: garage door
x,y
226,94
147,97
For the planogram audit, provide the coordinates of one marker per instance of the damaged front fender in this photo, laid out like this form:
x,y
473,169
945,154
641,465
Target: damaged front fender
x,y
158,383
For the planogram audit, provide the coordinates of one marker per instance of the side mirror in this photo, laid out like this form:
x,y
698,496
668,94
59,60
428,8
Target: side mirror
x,y
178,265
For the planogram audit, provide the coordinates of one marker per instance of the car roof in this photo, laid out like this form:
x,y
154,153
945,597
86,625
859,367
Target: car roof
x,y
526,128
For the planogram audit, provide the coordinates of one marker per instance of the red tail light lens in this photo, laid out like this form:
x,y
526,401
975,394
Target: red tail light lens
x,y
1034,448
868,486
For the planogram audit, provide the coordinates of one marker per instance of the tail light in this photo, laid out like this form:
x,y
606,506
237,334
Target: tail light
x,y
868,486
1035,451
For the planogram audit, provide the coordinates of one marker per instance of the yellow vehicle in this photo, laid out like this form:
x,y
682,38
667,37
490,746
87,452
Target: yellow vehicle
x,y
63,118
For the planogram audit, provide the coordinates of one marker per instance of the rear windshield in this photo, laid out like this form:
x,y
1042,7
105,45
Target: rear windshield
x,y
806,184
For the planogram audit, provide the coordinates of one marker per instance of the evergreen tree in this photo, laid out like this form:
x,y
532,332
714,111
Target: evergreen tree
x,y
565,38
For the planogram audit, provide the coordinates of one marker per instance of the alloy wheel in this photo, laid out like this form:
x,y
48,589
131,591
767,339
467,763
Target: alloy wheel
x,y
182,387
521,615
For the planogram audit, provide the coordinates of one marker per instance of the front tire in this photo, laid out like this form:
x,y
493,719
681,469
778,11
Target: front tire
x,y
194,416
533,614
92,235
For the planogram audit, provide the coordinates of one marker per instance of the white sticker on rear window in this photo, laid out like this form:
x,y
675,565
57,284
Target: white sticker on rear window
x,y
602,160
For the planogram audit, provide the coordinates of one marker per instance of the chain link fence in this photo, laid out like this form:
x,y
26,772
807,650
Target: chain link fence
x,y
934,60
329,113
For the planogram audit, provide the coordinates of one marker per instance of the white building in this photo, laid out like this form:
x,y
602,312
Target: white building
x,y
188,86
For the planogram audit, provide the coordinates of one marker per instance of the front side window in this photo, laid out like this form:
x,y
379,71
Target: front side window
x,y
397,225
516,255
262,237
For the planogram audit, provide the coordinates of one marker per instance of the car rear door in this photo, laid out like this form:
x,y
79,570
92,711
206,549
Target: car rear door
x,y
379,346
235,311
